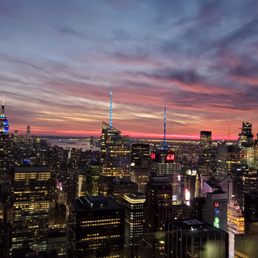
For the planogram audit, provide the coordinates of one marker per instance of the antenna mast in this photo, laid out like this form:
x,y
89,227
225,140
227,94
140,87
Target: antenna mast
x,y
165,125
110,108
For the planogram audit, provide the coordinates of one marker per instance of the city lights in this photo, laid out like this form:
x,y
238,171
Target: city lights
x,y
128,129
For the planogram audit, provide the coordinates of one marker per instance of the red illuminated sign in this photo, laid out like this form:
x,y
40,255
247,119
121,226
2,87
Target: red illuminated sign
x,y
170,157
153,155
216,204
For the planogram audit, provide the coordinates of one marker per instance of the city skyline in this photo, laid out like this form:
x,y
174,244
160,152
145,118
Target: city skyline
x,y
59,60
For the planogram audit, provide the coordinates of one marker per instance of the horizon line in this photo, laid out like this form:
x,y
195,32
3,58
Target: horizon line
x,y
170,137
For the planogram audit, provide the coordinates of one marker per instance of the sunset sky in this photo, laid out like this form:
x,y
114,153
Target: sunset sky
x,y
58,60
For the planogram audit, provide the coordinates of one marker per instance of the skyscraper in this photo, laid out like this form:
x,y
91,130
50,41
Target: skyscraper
x,y
159,207
96,227
92,177
215,211
164,163
28,134
115,152
194,238
31,189
236,220
4,141
140,163
4,124
133,204
246,135
236,225
164,160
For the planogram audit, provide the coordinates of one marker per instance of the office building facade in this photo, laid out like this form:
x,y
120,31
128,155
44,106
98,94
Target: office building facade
x,y
96,226
31,189
133,204
115,152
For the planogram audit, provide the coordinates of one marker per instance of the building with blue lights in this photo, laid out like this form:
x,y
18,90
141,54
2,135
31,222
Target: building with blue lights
x,y
4,124
4,142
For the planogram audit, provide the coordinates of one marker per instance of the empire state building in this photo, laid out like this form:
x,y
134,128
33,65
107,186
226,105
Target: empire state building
x,y
4,124
4,142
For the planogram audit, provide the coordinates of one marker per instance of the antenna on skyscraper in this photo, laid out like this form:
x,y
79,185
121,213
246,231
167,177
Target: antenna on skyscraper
x,y
165,124
110,108
229,132
2,110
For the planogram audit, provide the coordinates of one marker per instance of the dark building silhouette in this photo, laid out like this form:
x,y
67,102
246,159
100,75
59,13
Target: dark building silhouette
x,y
205,136
215,211
140,163
96,226
194,238
251,207
159,207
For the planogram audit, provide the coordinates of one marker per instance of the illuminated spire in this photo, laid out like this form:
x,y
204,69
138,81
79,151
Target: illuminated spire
x,y
229,132
110,108
165,125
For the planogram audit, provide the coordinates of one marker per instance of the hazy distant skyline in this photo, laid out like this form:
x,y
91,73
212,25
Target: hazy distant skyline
x,y
58,60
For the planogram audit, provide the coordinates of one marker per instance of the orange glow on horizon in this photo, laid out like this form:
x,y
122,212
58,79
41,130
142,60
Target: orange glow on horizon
x,y
97,133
